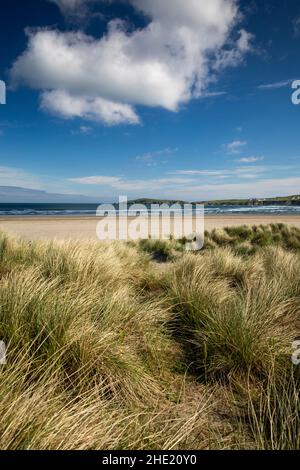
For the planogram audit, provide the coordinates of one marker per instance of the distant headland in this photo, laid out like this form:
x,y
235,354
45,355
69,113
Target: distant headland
x,y
281,200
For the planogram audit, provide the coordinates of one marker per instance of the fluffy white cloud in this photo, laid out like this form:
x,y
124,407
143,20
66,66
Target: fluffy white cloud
x,y
166,63
94,109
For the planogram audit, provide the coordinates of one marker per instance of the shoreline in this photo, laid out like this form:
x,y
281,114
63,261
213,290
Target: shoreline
x,y
6,218
84,228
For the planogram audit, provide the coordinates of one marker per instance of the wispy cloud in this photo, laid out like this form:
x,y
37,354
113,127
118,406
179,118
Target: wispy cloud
x,y
199,172
250,159
268,187
214,94
153,158
275,85
173,182
98,180
234,147
199,184
10,176
123,184
83,130
241,172
190,184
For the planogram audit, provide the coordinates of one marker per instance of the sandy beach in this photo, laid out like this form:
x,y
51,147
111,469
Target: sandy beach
x,y
84,228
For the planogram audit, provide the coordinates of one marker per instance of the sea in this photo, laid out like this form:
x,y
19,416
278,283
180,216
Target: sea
x,y
89,210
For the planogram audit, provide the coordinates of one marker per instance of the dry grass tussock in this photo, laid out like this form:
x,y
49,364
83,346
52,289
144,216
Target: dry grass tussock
x,y
108,349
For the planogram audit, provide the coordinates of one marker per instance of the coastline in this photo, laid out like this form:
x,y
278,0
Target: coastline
x,y
84,228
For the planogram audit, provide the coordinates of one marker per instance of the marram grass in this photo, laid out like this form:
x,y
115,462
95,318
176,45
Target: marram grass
x,y
109,349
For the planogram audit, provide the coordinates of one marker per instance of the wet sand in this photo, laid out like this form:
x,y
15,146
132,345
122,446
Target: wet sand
x,y
84,228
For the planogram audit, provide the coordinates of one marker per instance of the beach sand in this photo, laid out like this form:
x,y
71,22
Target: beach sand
x,y
84,228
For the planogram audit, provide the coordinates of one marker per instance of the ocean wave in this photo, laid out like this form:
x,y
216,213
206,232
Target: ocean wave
x,y
34,212
84,212
253,210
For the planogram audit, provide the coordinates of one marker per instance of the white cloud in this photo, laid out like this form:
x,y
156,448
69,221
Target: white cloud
x,y
66,5
69,5
123,184
98,180
201,172
94,109
269,187
166,63
198,184
85,130
248,181
74,8
175,180
234,56
250,159
275,85
241,172
234,147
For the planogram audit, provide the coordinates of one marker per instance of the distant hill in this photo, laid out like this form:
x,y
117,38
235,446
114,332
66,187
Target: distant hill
x,y
282,200
146,201
15,194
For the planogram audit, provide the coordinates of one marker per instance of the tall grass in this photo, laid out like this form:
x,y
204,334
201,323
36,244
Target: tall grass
x,y
233,318
247,240
108,349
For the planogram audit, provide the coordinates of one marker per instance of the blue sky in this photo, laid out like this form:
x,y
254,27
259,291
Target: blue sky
x,y
150,98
